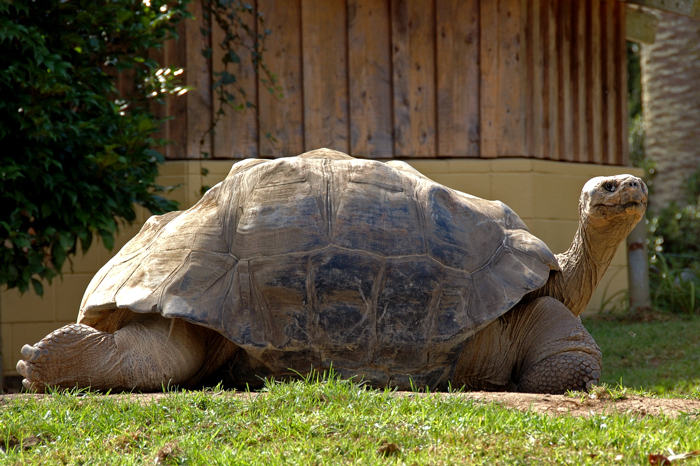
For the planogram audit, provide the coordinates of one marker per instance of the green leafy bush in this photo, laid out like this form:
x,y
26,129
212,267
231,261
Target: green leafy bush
x,y
675,259
75,156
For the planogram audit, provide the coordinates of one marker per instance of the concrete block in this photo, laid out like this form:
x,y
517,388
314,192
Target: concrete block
x,y
469,166
219,168
475,184
178,194
516,190
514,165
610,290
429,167
172,167
193,190
557,234
620,258
28,307
556,197
7,363
85,263
142,214
213,179
584,170
69,294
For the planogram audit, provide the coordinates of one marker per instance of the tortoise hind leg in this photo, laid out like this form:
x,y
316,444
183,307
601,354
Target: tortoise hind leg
x,y
538,347
147,353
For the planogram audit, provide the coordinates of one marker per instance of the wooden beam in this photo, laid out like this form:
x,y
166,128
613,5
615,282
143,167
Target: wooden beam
x,y
681,7
641,26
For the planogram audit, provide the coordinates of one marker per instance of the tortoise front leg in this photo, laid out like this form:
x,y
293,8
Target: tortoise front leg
x,y
147,353
539,347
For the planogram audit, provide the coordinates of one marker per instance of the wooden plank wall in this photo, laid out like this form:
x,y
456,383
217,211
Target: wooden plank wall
x,y
419,78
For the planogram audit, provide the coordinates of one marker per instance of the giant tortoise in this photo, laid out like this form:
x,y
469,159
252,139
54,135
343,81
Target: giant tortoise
x,y
370,268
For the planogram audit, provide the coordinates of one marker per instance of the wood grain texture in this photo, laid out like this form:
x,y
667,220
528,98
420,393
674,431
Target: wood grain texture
x,y
178,110
621,62
236,134
413,59
580,44
594,83
608,78
199,100
550,94
412,78
325,79
158,109
565,110
511,88
282,116
457,78
369,62
534,65
488,78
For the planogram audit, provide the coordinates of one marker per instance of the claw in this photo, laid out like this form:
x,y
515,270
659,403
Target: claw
x,y
28,352
22,366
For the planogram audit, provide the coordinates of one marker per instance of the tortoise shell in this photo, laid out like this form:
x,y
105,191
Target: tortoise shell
x,y
323,259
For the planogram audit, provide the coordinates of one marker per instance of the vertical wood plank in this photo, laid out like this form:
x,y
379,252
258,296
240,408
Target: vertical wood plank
x,y
621,66
564,32
594,84
413,59
325,68
511,133
176,128
369,62
579,47
199,101
236,133
158,109
458,78
282,116
550,88
125,83
533,82
609,51
488,82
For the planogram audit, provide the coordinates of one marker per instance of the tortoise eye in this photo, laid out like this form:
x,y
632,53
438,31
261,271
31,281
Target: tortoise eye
x,y
610,187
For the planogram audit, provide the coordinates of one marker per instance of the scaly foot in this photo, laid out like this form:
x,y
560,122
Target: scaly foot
x,y
58,359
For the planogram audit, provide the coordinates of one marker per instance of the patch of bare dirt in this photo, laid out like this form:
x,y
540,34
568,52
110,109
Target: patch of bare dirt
x,y
588,404
556,405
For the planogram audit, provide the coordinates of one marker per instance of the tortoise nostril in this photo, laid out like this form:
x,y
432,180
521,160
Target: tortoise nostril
x,y
633,184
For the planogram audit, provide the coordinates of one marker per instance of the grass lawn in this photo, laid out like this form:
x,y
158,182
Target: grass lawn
x,y
328,421
658,356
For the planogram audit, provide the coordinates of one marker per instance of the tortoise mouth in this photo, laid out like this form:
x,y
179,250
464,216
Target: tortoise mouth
x,y
631,208
629,205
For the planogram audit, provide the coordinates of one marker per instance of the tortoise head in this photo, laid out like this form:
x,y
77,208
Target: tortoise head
x,y
612,205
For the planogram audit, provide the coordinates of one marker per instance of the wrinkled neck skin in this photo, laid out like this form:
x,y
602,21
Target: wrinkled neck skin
x,y
584,264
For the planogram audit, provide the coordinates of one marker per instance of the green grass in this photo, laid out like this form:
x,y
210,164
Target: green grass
x,y
330,421
659,356
322,421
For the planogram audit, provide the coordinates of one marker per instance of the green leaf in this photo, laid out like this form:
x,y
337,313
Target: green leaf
x,y
107,239
38,287
66,240
58,255
85,159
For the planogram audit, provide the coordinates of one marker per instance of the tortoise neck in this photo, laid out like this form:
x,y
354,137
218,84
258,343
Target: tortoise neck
x,y
582,267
